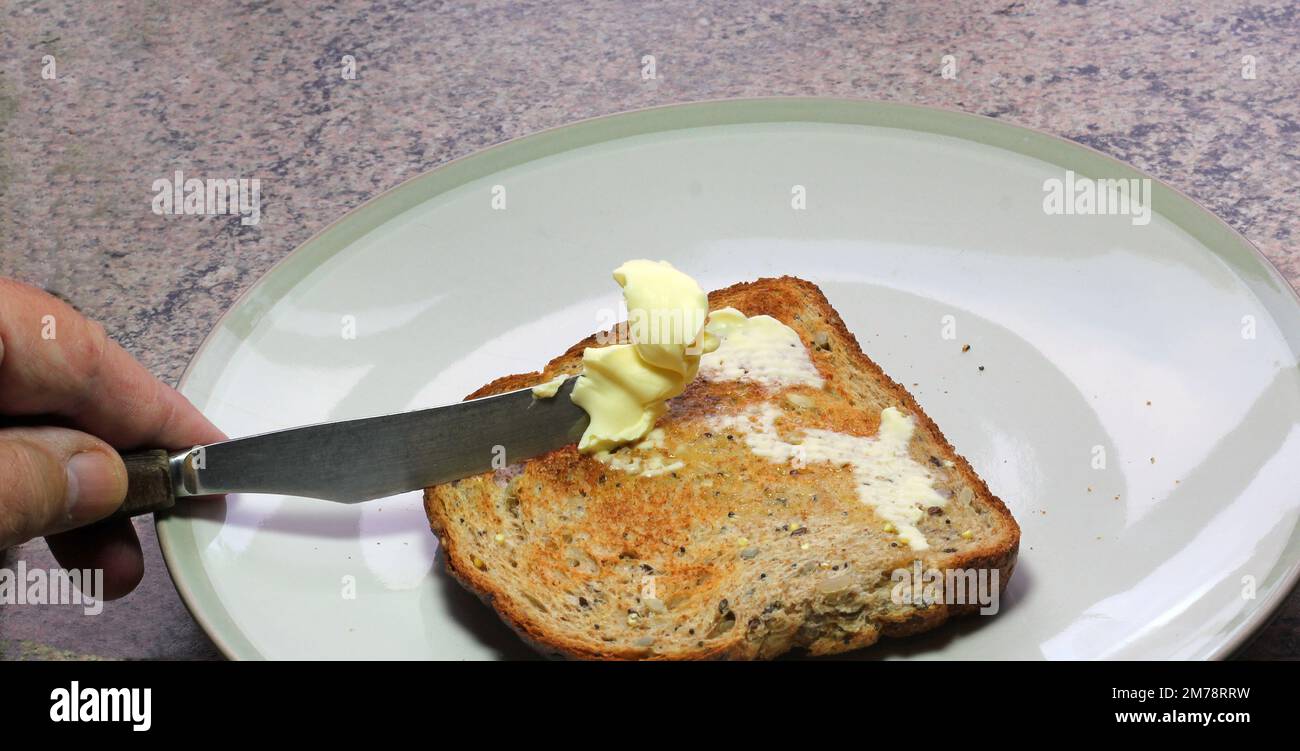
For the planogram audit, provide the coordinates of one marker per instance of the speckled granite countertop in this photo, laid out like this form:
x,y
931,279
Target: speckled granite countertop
x,y
253,89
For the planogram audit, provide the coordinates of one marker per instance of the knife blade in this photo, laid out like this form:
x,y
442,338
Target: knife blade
x,y
358,460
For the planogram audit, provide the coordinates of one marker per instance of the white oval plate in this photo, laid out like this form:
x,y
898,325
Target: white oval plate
x,y
1138,409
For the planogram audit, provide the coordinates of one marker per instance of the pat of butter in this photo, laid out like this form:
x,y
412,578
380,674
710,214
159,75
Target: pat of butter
x,y
758,348
623,387
897,487
550,388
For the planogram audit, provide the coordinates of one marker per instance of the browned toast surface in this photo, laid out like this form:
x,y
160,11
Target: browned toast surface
x,y
728,554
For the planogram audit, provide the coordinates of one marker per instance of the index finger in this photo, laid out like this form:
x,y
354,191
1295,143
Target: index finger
x,y
55,361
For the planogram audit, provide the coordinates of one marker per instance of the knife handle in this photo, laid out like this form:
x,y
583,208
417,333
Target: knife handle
x,y
148,484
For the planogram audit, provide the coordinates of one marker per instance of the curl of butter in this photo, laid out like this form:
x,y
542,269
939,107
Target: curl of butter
x,y
550,388
623,387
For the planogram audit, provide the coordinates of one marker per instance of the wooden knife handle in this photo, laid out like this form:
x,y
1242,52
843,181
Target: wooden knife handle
x,y
148,484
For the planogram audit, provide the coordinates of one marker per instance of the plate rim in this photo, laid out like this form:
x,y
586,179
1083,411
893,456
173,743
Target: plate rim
x,y
732,111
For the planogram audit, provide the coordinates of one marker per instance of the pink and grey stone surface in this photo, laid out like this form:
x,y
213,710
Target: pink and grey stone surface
x,y
142,89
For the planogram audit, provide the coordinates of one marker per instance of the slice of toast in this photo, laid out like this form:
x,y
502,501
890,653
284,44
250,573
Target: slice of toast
x,y
719,552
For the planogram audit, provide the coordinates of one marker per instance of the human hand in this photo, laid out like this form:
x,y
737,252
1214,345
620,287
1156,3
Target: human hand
x,y
77,394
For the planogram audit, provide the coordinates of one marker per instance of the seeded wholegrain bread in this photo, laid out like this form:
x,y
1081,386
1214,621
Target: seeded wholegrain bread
x,y
728,555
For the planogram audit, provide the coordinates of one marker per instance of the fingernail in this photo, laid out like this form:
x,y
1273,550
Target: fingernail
x,y
92,487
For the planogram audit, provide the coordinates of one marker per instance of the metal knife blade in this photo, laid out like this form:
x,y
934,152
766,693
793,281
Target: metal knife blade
x,y
357,460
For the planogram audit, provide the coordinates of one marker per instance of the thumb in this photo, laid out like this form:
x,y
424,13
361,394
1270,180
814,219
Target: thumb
x,y
54,479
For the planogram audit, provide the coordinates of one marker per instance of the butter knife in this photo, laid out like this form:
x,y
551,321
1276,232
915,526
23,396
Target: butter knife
x,y
357,460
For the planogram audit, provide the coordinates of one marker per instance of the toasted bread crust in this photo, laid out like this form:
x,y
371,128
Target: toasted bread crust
x,y
784,298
